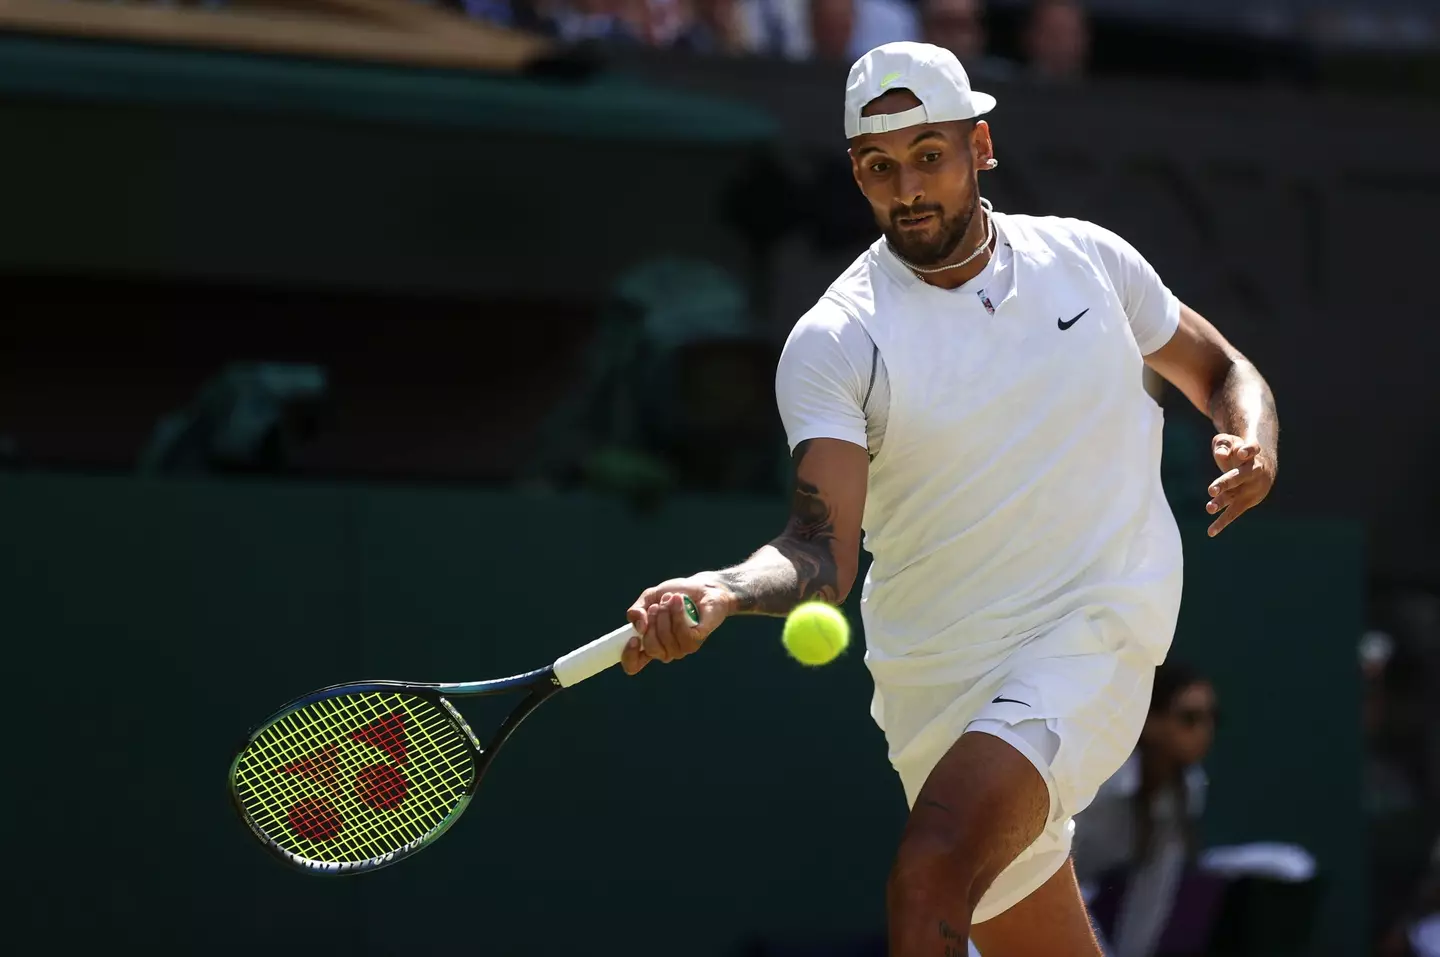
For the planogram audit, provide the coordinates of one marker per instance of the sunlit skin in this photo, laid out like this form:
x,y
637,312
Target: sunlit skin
x,y
922,183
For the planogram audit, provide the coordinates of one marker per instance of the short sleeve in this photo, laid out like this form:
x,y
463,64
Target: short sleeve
x,y
821,379
1153,309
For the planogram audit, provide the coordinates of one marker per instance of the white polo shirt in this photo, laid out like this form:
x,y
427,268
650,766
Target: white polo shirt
x,y
1015,455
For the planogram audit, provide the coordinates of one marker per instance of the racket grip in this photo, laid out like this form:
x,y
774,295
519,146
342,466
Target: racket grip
x,y
587,661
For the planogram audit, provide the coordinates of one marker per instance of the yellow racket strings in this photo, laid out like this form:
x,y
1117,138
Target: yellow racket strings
x,y
354,777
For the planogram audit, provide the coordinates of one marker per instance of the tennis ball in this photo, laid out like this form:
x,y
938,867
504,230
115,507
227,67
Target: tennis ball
x,y
815,633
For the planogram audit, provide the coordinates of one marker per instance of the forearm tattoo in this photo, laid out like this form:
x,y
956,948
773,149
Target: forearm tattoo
x,y
797,566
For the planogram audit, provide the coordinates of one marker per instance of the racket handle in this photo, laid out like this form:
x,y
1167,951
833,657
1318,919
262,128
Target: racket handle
x,y
587,661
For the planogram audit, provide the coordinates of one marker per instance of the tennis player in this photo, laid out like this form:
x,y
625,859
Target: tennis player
x,y
969,392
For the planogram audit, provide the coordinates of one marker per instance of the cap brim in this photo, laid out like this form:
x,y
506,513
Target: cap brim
x,y
983,102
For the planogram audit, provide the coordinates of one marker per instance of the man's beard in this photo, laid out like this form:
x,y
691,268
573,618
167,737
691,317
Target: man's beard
x,y
929,250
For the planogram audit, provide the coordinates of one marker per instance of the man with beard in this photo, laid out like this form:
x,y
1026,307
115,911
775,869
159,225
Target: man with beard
x,y
969,392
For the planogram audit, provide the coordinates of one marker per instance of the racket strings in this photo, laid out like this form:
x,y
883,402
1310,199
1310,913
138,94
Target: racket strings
x,y
354,777
318,818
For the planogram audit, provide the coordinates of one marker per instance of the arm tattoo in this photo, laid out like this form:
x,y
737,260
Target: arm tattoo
x,y
1244,405
797,566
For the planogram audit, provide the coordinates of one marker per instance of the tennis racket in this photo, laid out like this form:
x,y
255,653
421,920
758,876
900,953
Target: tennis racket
x,y
357,776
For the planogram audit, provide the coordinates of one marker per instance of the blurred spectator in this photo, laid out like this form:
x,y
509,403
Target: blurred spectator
x,y
676,395
959,26
714,26
835,30
250,418
613,21
777,28
1139,834
1417,933
1057,40
492,11
832,25
700,26
882,21
1390,782
1400,663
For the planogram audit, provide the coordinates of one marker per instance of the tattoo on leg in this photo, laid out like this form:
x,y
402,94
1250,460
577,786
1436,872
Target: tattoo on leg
x,y
956,944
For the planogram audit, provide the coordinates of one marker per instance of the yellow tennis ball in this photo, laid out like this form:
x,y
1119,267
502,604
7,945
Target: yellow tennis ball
x,y
815,633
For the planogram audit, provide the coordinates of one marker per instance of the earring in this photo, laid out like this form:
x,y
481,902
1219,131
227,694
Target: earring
x,y
991,163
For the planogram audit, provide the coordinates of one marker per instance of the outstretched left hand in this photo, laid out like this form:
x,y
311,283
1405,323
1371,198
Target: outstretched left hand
x,y
1249,473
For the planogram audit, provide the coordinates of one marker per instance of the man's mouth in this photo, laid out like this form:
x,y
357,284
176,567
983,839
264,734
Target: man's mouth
x,y
915,220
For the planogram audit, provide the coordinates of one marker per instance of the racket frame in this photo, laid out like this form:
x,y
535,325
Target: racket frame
x,y
567,671
541,684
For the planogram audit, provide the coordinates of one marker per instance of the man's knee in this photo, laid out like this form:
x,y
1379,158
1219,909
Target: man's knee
x,y
983,804
936,853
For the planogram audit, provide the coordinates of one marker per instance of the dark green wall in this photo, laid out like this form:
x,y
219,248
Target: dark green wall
x,y
150,623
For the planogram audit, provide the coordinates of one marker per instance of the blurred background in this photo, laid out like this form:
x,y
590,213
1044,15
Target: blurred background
x,y
362,338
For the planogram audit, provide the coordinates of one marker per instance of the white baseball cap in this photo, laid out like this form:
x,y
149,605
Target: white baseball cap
x,y
932,73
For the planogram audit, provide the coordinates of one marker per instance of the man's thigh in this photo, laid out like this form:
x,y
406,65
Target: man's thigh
x,y
983,800
1051,922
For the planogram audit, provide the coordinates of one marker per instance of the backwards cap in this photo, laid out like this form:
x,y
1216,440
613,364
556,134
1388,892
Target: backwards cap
x,y
932,73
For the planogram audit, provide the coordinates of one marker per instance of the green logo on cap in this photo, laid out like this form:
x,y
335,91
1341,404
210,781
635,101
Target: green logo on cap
x,y
887,79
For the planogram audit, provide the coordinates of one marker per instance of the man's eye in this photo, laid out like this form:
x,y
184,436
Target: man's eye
x,y
879,167
932,157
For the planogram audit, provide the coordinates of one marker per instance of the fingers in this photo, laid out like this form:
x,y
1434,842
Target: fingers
x,y
670,635
632,658
687,636
1229,499
1247,451
1245,482
1223,447
1231,513
659,641
1231,450
1232,495
665,631
1231,482
638,615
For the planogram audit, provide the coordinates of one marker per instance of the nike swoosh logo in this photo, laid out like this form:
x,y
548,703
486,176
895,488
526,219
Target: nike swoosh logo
x,y
1010,701
1066,325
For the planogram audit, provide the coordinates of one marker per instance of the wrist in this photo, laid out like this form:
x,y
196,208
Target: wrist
x,y
725,591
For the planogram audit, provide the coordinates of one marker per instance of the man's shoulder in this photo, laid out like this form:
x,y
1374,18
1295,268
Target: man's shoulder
x,y
849,299
833,322
1054,232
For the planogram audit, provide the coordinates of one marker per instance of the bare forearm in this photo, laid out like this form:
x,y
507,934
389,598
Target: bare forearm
x,y
783,574
1243,405
817,555
799,565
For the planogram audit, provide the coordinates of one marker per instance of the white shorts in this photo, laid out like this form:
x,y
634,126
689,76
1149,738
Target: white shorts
x,y
1076,717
